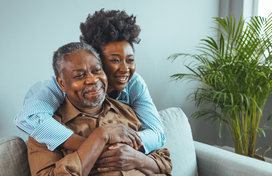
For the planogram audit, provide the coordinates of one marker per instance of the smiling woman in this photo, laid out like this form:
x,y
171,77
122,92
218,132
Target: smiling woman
x,y
119,65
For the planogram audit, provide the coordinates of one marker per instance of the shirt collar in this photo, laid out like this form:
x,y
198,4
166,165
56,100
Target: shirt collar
x,y
122,93
68,111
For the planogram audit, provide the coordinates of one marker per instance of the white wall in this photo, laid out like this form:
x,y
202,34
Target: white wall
x,y
31,30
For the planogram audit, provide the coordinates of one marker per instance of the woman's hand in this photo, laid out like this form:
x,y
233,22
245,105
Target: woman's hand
x,y
119,157
118,133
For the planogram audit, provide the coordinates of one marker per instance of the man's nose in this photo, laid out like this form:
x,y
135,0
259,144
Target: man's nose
x,y
91,79
124,67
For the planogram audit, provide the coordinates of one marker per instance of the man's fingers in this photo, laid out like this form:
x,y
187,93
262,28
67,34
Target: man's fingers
x,y
129,141
132,138
106,162
135,139
123,134
139,141
114,146
136,135
107,169
108,153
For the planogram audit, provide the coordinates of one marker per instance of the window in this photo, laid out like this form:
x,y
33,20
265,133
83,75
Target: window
x,y
264,7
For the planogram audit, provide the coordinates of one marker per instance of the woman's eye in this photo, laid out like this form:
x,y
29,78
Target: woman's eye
x,y
114,60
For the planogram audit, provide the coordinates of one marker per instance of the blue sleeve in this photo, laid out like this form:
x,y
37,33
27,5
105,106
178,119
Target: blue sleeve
x,y
35,118
152,135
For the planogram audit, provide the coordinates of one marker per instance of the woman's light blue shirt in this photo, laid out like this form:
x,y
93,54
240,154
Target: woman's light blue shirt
x,y
36,120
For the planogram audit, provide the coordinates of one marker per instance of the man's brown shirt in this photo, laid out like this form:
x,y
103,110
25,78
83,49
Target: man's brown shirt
x,y
66,162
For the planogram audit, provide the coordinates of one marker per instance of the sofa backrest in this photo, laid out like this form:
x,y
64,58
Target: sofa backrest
x,y
13,157
13,150
179,141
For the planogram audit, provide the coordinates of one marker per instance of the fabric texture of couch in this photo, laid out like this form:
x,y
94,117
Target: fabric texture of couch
x,y
190,158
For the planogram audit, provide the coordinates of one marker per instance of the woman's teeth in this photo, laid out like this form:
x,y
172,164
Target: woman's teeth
x,y
122,78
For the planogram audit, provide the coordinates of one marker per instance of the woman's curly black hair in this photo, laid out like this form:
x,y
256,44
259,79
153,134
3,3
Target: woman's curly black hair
x,y
108,26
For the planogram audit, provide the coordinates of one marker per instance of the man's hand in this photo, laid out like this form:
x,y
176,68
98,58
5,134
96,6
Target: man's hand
x,y
118,133
119,157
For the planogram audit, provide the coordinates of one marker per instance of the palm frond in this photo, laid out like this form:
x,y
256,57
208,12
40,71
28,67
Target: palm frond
x,y
235,75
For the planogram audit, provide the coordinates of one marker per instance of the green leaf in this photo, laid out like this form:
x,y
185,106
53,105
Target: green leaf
x,y
269,117
234,75
262,131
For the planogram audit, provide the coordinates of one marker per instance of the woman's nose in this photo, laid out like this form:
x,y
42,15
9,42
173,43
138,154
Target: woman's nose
x,y
124,67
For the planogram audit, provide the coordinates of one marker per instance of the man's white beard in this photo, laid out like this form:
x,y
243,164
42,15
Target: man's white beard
x,y
95,103
100,85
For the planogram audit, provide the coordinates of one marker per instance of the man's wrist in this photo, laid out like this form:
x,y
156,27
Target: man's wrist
x,y
141,161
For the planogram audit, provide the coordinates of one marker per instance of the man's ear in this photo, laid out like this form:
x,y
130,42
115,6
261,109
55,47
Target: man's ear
x,y
60,82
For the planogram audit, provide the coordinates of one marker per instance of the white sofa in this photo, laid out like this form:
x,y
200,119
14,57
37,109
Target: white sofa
x,y
190,158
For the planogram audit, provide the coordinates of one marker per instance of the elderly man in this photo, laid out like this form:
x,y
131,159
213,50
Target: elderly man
x,y
105,123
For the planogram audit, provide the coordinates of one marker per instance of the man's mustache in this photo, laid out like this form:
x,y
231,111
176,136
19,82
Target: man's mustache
x,y
96,86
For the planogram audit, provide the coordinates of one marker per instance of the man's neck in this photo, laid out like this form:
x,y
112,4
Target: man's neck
x,y
92,111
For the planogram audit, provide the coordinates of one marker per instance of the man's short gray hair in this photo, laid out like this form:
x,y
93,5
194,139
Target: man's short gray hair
x,y
67,49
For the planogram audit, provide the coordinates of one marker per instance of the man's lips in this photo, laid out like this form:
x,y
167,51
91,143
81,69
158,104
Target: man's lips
x,y
94,92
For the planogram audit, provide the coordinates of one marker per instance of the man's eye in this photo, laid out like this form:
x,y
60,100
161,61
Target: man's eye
x,y
80,75
130,60
97,71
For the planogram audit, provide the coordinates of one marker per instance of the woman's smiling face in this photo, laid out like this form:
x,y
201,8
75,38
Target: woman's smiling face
x,y
119,64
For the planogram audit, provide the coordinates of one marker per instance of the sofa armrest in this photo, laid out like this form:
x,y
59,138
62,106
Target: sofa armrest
x,y
215,161
13,157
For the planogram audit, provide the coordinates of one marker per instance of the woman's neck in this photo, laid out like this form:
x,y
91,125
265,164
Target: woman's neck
x,y
113,94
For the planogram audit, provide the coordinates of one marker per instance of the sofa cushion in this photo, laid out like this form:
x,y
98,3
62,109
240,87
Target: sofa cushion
x,y
13,154
179,141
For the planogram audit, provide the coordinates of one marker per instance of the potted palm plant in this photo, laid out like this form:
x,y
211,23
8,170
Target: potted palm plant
x,y
234,72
